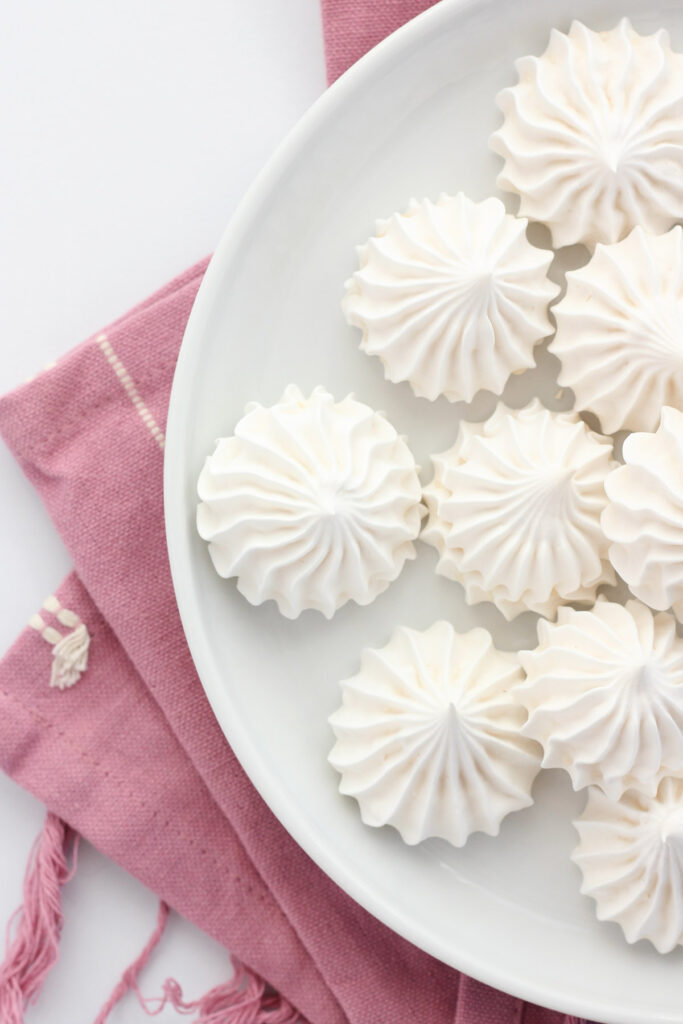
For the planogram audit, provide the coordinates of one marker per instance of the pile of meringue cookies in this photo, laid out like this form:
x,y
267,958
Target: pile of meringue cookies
x,y
315,502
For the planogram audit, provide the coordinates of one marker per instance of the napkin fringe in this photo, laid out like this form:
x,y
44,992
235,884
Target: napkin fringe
x,y
34,930
244,999
32,948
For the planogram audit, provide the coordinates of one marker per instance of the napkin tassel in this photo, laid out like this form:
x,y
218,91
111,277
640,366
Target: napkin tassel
x,y
69,651
37,924
244,999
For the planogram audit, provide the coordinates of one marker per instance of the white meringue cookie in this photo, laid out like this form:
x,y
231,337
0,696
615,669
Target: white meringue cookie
x,y
593,134
630,854
429,735
619,330
312,503
604,694
644,516
515,510
451,296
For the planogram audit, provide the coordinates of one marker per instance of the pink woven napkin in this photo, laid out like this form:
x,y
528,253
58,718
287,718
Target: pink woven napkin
x,y
124,747
352,27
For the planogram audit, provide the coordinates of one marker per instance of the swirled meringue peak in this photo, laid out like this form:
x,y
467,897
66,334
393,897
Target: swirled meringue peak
x,y
451,296
604,694
619,330
644,516
515,510
630,854
429,735
593,134
312,503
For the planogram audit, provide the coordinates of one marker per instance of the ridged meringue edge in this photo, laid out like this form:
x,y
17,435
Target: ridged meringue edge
x,y
618,330
589,137
486,581
427,711
604,696
451,296
630,854
289,511
644,517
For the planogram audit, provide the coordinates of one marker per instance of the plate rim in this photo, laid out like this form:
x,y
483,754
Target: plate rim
x,y
175,516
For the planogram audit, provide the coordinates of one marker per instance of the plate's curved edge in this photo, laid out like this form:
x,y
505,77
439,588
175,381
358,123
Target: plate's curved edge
x,y
175,513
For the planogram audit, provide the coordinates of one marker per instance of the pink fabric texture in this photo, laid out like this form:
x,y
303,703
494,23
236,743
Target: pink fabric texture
x,y
131,756
352,27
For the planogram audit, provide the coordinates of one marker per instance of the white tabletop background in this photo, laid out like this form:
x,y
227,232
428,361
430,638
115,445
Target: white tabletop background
x,y
128,134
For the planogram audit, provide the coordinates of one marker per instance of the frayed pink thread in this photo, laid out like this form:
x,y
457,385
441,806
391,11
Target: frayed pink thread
x,y
130,975
244,999
32,939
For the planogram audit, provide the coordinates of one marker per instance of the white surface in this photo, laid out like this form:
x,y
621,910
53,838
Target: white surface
x,y
129,132
413,119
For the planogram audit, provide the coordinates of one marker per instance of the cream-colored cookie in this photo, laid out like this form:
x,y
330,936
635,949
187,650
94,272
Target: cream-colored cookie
x,y
312,503
451,296
592,135
428,737
514,510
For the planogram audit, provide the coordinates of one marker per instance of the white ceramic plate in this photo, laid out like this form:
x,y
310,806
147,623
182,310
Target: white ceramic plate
x,y
413,118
